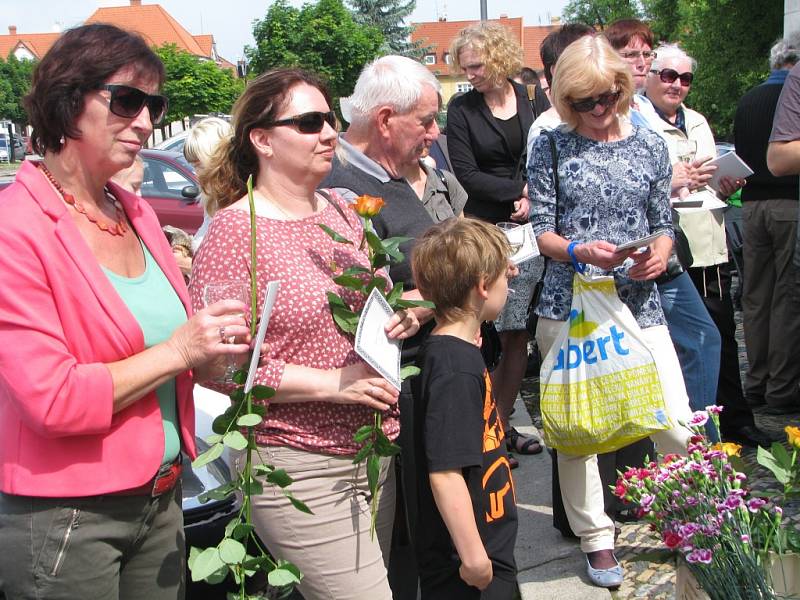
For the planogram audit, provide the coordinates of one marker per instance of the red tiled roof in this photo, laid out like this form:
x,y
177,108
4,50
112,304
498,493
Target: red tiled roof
x,y
439,34
152,22
37,43
206,43
532,39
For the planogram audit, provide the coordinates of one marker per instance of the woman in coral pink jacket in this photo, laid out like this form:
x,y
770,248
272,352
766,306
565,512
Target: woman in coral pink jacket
x,y
97,343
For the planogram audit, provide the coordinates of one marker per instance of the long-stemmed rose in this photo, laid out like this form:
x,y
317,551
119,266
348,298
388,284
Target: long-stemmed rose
x,y
363,280
235,429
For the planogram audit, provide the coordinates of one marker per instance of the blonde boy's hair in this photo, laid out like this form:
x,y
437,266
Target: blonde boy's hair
x,y
451,258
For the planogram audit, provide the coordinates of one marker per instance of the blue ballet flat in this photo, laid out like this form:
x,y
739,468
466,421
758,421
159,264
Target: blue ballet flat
x,y
605,578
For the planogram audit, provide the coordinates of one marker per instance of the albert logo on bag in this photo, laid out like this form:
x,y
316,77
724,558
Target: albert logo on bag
x,y
576,354
600,388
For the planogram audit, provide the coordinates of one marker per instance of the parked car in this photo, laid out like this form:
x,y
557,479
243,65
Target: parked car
x,y
173,144
171,187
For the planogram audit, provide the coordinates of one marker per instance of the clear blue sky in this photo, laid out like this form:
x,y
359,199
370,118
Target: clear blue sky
x,y
230,21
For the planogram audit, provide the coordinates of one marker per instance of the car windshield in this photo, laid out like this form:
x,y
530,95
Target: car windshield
x,y
185,163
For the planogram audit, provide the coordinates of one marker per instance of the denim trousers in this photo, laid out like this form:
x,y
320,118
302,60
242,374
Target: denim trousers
x,y
695,337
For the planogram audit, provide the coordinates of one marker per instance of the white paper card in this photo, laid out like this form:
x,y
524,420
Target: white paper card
x,y
728,165
645,241
708,199
688,203
266,310
372,343
523,236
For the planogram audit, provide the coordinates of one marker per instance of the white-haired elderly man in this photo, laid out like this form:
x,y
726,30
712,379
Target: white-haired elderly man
x,y
771,300
702,243
392,114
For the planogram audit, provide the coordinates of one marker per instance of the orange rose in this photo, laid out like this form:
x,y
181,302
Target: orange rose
x,y
793,436
367,206
728,448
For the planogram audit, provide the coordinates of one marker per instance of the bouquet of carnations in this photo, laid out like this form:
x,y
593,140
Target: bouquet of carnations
x,y
701,509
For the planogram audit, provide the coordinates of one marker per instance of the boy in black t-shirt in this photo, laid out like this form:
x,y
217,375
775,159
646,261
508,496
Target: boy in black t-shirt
x,y
466,511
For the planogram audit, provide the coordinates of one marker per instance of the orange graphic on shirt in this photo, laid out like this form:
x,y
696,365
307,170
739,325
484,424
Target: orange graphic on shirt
x,y
493,436
492,431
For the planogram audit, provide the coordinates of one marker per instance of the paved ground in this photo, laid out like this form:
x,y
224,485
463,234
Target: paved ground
x,y
552,568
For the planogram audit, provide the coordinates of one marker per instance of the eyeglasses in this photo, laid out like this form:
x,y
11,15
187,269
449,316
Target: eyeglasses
x,y
587,104
310,122
670,75
635,54
128,102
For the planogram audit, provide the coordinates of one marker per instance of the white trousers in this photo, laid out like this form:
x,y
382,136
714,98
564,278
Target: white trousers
x,y
581,487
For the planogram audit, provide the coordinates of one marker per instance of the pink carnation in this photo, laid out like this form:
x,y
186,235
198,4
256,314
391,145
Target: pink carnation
x,y
714,410
700,555
699,418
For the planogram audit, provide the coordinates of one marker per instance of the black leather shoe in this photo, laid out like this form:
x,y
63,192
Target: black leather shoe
x,y
750,435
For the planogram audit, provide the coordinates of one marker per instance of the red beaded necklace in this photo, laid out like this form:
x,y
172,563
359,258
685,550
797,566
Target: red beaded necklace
x,y
118,228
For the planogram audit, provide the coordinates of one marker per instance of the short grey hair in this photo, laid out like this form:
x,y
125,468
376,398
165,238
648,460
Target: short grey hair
x,y
785,51
391,80
668,52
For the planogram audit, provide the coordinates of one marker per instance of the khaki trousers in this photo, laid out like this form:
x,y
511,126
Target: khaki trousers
x,y
581,486
332,548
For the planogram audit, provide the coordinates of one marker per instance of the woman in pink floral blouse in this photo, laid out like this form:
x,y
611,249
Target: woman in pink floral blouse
x,y
285,135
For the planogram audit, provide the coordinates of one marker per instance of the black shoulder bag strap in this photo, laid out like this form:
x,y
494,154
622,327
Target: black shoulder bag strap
x,y
537,291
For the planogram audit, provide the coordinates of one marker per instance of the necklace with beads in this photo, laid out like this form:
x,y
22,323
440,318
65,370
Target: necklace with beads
x,y
118,228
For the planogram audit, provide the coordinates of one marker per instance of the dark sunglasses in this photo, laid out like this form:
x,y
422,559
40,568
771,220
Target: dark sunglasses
x,y
310,122
128,102
587,104
670,75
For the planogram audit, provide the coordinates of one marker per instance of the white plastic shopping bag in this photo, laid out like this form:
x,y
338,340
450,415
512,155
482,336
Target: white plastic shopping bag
x,y
600,389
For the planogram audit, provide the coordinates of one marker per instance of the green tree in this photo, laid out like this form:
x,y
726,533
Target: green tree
x,y
388,16
600,13
731,52
323,38
15,81
664,18
196,86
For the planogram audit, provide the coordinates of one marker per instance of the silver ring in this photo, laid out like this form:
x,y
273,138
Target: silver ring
x,y
222,334
372,391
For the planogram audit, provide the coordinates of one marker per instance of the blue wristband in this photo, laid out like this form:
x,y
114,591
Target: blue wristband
x,y
579,267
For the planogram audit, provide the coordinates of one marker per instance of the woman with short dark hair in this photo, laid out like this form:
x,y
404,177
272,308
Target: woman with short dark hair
x,y
98,345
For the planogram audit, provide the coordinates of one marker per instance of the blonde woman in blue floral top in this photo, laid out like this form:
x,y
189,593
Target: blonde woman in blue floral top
x,y
614,182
